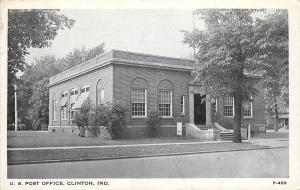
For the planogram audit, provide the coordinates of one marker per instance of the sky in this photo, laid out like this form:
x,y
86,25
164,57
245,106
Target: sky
x,y
144,31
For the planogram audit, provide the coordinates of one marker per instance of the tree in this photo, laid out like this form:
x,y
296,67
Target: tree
x,y
78,56
34,28
35,79
273,57
227,54
39,105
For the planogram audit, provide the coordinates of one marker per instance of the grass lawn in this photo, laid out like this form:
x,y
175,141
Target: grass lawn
x,y
273,135
30,139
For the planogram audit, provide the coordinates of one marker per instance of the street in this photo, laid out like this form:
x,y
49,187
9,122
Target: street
x,y
267,163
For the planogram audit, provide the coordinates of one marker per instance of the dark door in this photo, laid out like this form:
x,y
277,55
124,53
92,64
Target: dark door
x,y
199,109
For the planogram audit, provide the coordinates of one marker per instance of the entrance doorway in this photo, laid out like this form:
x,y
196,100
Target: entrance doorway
x,y
199,109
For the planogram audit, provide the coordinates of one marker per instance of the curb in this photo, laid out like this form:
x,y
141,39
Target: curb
x,y
119,145
140,156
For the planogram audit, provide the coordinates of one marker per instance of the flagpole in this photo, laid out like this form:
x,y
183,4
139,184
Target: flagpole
x,y
16,111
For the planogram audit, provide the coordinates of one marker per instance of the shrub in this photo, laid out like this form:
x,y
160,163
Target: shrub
x,y
113,116
117,120
83,118
154,121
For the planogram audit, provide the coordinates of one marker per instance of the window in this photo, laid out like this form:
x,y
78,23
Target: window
x,y
54,110
64,113
64,94
100,92
72,113
182,107
165,103
84,89
215,105
74,92
139,102
247,109
101,96
228,107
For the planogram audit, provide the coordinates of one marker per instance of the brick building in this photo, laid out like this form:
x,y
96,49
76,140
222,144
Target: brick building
x,y
145,82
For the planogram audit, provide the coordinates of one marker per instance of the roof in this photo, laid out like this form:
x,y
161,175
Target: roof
x,y
123,58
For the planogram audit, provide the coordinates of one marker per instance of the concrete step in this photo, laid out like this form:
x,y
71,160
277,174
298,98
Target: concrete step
x,y
226,136
204,127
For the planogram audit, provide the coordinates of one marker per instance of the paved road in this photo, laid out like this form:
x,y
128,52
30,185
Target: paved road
x,y
255,163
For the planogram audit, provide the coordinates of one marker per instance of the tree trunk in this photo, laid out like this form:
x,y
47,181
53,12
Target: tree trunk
x,y
276,117
237,118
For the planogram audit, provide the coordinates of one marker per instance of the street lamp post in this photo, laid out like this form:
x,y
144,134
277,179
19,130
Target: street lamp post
x,y
16,110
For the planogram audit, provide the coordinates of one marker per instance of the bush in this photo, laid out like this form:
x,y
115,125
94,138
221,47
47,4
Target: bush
x,y
84,117
117,120
154,121
113,116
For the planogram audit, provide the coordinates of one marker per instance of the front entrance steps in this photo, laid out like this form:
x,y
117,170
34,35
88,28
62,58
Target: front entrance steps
x,y
226,136
202,132
212,132
204,127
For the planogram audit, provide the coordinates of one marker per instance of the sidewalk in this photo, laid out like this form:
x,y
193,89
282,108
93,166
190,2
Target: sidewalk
x,y
273,143
79,153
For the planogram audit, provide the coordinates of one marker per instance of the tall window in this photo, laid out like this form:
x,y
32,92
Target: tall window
x,y
101,96
247,109
100,92
139,102
64,113
63,104
228,106
182,105
54,109
165,103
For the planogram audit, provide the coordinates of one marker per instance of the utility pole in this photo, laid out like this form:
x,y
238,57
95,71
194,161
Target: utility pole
x,y
16,110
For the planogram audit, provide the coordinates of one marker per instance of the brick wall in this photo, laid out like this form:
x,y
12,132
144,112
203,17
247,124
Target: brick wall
x,y
258,112
91,79
124,75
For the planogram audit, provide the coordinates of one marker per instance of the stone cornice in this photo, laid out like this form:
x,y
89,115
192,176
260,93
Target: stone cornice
x,y
72,73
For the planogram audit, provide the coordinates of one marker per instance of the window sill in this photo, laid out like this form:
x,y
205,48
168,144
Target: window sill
x,y
247,117
139,117
167,117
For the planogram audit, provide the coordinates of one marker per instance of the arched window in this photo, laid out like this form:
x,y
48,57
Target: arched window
x,y
165,100
139,88
100,92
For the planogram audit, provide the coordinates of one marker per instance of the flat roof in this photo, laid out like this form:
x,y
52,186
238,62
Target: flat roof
x,y
123,58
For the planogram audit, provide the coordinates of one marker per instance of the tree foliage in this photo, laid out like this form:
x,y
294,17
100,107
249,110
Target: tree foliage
x,y
34,28
273,57
38,113
35,78
228,52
